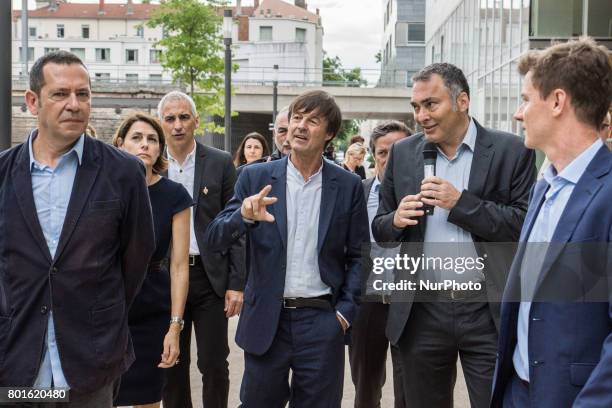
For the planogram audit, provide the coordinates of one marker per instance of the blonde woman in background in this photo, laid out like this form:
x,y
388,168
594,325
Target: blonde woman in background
x,y
354,158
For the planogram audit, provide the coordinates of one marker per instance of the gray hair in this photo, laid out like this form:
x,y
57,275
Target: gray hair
x,y
283,111
176,96
454,79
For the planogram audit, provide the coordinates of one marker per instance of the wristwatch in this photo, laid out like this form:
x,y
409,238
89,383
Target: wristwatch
x,y
179,320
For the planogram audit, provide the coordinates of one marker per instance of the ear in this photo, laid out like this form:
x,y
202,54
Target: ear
x,y
329,137
32,100
119,142
558,99
463,102
197,121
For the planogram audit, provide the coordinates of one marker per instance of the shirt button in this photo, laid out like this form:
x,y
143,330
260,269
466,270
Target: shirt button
x,y
44,310
54,270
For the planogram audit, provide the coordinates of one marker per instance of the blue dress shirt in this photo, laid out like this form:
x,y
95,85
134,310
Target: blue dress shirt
x,y
556,198
52,188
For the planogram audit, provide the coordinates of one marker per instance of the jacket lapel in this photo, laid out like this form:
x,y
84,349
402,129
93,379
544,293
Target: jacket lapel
x,y
328,201
197,172
481,162
585,190
279,190
22,184
419,175
83,182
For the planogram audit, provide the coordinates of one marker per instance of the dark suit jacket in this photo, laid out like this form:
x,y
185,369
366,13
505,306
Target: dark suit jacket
x,y
571,341
213,186
101,259
492,208
342,231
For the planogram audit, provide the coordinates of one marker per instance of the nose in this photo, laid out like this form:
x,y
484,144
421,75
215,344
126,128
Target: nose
x,y
518,115
422,116
72,103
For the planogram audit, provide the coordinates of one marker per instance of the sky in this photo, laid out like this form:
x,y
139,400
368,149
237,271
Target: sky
x,y
353,28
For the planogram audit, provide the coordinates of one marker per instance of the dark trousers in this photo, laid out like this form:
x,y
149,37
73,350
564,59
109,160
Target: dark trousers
x,y
516,394
435,334
310,343
205,310
101,398
368,357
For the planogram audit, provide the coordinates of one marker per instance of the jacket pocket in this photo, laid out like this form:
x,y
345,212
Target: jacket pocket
x,y
5,329
110,334
580,373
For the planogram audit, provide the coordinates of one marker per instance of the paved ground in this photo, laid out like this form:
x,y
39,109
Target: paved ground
x,y
237,366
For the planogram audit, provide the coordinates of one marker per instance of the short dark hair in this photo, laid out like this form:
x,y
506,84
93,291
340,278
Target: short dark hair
x,y
384,129
322,102
161,163
239,158
581,68
453,78
61,57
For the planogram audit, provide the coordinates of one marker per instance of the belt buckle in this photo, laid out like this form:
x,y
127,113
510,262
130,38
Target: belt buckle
x,y
192,260
454,295
285,303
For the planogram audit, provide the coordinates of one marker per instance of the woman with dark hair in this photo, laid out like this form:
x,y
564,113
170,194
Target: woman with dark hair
x,y
156,316
252,148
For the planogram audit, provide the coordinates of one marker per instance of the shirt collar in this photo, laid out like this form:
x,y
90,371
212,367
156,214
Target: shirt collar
x,y
77,148
576,168
375,182
189,156
470,136
291,168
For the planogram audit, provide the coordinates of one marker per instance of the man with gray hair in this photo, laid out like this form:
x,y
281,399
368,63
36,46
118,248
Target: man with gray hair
x,y
282,147
216,280
478,194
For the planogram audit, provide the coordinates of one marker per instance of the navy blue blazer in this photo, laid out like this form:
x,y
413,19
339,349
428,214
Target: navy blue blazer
x,y
101,259
570,342
343,229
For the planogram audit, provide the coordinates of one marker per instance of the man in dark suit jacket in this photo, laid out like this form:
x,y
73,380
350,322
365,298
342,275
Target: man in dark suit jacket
x,y
216,280
304,263
555,346
485,200
76,235
369,345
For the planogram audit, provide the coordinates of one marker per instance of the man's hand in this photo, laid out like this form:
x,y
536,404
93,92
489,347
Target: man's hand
x,y
407,209
439,192
254,207
342,323
233,303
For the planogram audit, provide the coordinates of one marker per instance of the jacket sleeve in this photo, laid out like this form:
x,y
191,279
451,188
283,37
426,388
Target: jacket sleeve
x,y
497,222
357,236
237,251
228,226
137,242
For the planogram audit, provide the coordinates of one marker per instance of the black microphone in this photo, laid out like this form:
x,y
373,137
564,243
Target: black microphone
x,y
430,154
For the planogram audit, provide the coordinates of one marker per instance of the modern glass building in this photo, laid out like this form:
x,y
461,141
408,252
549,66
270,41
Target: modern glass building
x,y
486,37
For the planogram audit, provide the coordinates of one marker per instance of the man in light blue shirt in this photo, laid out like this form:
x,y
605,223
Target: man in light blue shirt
x,y
555,345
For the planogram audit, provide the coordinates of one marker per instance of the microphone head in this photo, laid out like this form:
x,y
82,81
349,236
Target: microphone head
x,y
430,151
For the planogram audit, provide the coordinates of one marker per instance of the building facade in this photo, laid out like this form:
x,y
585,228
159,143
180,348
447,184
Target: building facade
x,y
485,38
403,49
111,39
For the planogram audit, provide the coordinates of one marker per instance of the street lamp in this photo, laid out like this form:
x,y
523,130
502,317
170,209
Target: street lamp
x,y
274,93
227,39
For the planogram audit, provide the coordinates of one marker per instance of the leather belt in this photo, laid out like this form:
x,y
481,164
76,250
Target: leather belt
x,y
194,260
321,302
451,295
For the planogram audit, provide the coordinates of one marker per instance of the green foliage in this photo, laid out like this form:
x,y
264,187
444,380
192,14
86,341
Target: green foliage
x,y
193,46
335,75
348,129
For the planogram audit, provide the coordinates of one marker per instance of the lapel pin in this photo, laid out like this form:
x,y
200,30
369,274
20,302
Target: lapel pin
x,y
205,190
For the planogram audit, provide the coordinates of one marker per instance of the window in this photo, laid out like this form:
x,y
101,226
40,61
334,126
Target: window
x,y
79,52
139,31
102,76
155,56
102,54
300,35
60,31
32,32
416,32
30,54
155,77
131,56
442,49
131,77
85,31
50,49
265,33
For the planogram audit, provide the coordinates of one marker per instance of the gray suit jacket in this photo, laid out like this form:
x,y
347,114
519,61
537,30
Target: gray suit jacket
x,y
492,208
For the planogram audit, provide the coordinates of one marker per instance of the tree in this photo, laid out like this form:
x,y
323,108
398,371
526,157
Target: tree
x,y
335,75
192,44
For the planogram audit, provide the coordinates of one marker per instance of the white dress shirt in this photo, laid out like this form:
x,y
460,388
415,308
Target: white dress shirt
x,y
184,174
